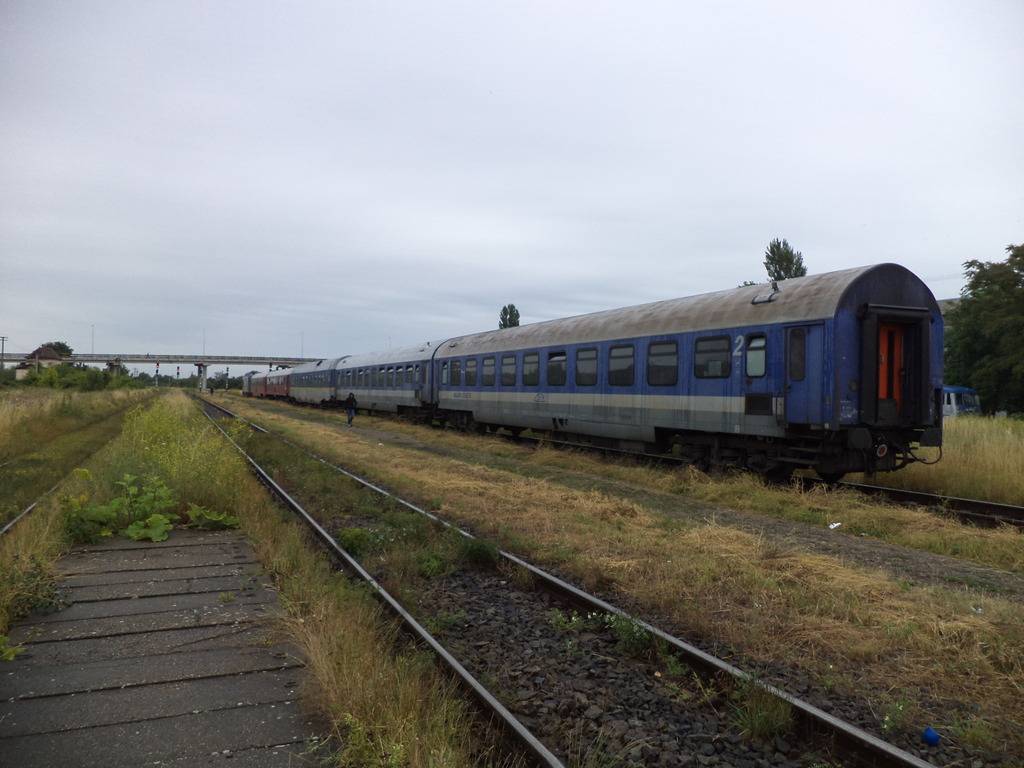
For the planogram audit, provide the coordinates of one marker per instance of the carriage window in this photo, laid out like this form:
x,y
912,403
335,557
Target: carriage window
x,y
444,373
508,371
556,369
410,375
531,369
487,372
663,364
419,375
390,381
471,372
711,358
797,354
456,373
620,366
586,367
756,356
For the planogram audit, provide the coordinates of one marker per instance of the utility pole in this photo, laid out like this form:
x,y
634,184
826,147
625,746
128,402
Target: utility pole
x,y
3,343
92,339
302,343
204,342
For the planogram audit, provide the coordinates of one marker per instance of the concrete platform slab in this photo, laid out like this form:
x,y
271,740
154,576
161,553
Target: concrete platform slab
x,y
161,557
234,635
104,578
134,606
154,588
24,682
192,737
205,616
182,537
23,717
166,659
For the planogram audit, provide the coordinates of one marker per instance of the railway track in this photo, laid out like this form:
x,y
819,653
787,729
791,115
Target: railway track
x,y
977,511
9,526
967,510
848,740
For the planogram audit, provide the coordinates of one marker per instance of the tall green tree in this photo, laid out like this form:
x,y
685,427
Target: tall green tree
x,y
983,343
508,317
782,262
60,347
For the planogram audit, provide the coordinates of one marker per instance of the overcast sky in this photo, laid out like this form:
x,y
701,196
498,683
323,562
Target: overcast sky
x,y
381,173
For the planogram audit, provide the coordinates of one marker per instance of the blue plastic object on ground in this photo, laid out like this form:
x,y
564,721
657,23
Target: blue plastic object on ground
x,y
930,737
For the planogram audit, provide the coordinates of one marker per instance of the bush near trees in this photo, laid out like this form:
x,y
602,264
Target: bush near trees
x,y
60,347
983,342
84,379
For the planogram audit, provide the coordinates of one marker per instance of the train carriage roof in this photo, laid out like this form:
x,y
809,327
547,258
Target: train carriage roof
x,y
815,297
320,365
402,355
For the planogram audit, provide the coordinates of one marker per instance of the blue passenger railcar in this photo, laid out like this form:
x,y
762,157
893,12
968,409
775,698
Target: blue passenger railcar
x,y
396,381
314,383
840,372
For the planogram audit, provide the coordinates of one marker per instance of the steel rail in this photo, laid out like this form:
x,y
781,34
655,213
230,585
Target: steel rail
x,y
874,750
25,512
970,509
511,722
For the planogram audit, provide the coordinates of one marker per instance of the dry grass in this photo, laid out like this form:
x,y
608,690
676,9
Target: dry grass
x,y
982,458
27,555
855,629
1001,548
32,416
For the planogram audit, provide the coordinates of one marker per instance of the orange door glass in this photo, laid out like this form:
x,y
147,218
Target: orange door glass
x,y
890,363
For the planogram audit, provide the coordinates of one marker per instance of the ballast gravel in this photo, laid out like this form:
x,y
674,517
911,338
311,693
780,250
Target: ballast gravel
x,y
580,693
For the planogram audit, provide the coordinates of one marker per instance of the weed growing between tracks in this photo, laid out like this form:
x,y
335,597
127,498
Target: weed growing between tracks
x,y
950,656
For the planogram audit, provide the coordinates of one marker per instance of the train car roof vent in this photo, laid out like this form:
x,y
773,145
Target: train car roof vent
x,y
766,298
453,344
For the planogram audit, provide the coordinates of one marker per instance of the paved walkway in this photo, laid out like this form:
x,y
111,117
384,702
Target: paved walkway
x,y
162,657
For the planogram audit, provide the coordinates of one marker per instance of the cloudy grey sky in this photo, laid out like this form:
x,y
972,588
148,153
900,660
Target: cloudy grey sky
x,y
370,171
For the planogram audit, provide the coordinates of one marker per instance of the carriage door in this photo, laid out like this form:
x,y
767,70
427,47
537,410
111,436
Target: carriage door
x,y
804,359
891,370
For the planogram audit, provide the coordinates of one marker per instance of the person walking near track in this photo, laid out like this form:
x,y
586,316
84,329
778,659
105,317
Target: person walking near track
x,y
350,407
